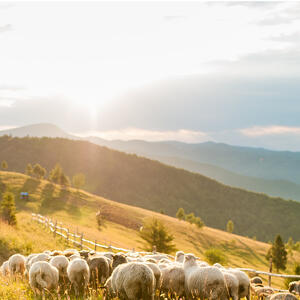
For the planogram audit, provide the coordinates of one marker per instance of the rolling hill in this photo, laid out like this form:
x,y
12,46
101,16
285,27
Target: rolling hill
x,y
77,208
180,155
152,185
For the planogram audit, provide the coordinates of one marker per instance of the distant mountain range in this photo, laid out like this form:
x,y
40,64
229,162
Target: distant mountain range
x,y
276,173
146,183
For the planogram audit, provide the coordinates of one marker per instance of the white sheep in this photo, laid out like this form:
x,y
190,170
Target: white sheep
x,y
232,285
157,273
43,276
16,264
244,283
202,264
133,281
206,282
283,296
39,257
60,262
4,269
79,274
74,256
179,257
173,281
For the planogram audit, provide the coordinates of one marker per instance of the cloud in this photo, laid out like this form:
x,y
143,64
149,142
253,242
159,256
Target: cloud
x,y
5,28
270,130
183,135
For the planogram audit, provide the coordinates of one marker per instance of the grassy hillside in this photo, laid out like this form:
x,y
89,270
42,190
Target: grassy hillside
x,y
149,184
76,209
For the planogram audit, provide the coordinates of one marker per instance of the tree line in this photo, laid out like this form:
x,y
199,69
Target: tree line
x,y
56,175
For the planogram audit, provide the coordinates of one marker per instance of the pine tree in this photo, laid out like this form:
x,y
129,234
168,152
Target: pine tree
x,y
64,180
39,171
180,215
56,174
278,254
29,170
230,226
8,208
4,165
154,233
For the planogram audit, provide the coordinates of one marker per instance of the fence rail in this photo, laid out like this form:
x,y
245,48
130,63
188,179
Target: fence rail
x,y
54,227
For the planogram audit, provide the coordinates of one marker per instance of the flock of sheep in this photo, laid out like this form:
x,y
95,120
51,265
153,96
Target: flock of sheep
x,y
132,276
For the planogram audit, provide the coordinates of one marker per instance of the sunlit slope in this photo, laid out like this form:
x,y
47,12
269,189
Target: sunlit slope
x,y
152,185
76,209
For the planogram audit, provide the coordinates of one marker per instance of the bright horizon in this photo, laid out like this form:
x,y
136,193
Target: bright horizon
x,y
136,70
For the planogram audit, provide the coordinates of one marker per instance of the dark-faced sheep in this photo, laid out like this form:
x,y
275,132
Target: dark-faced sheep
x,y
99,270
294,287
118,259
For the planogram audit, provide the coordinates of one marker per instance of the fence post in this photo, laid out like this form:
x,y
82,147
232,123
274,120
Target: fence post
x,y
68,236
81,241
54,232
95,245
270,270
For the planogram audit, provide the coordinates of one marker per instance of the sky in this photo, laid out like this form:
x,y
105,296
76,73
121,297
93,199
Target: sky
x,y
188,71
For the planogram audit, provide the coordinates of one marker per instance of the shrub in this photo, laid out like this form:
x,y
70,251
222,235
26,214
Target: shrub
x,y
214,255
296,271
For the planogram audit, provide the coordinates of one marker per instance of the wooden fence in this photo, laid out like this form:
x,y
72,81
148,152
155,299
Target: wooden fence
x,y
79,240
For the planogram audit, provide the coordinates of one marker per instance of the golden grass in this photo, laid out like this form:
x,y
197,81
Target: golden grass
x,y
76,210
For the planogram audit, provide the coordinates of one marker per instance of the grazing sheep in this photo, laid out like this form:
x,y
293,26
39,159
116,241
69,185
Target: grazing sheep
x,y
74,256
173,281
294,287
232,286
261,292
151,260
28,260
56,253
16,264
163,266
157,273
283,296
108,290
70,252
165,261
244,283
60,262
4,269
39,257
79,274
202,264
256,280
179,257
133,281
118,259
157,257
206,282
99,269
43,276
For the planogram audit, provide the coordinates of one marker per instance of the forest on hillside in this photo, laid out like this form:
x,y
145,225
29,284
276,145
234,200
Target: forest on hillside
x,y
149,184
